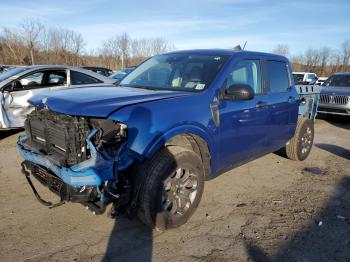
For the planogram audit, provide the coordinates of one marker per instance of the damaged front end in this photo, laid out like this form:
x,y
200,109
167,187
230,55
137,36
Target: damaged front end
x,y
80,159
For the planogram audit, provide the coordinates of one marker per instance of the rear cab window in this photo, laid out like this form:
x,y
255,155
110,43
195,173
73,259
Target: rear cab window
x,y
277,76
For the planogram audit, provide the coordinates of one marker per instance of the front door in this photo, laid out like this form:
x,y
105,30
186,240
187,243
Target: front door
x,y
14,97
243,123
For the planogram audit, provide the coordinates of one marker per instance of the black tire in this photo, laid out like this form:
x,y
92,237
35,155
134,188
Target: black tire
x,y
158,205
300,145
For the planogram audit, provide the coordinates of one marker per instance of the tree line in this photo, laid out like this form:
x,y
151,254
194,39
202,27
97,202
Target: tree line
x,y
31,43
323,61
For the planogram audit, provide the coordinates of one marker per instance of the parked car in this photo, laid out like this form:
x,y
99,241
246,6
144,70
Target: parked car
x,y
335,95
21,83
304,78
5,68
2,69
181,118
100,70
119,75
321,80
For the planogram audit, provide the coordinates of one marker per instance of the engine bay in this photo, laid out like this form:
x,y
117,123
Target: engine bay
x,y
62,138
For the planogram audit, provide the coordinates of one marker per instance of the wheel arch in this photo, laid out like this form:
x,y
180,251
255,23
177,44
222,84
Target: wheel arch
x,y
189,137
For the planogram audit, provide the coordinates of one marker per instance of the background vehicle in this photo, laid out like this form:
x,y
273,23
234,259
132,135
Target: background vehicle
x,y
335,95
119,75
181,118
304,78
5,68
2,68
100,70
321,80
21,83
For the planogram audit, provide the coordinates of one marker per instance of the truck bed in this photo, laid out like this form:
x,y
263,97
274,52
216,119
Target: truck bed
x,y
309,96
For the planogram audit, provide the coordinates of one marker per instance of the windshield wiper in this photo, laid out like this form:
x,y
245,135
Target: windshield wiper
x,y
142,87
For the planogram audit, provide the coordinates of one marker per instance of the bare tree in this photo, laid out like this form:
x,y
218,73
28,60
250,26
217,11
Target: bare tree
x,y
346,54
30,32
123,43
281,49
312,59
324,57
148,47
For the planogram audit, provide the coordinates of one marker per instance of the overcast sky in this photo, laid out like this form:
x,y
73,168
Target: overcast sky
x,y
192,24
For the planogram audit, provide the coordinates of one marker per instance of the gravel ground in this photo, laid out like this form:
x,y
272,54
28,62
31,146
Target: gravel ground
x,y
271,209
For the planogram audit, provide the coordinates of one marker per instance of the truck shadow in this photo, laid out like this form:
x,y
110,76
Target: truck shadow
x,y
336,150
130,240
326,241
336,120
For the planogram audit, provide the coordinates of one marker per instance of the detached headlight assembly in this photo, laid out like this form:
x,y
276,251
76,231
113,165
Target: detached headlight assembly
x,y
110,133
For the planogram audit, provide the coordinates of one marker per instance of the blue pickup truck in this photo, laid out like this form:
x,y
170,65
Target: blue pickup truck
x,y
147,146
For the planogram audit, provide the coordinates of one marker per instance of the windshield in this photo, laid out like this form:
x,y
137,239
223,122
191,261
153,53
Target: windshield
x,y
11,73
118,75
188,72
338,80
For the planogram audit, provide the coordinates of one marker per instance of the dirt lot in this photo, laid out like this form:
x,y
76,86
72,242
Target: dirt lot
x,y
271,209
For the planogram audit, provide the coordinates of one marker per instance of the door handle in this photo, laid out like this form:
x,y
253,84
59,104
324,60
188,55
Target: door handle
x,y
261,104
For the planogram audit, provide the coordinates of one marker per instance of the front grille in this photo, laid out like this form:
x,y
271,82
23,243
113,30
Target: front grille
x,y
64,191
54,183
60,138
334,99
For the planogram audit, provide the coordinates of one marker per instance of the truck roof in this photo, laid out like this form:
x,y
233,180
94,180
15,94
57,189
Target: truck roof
x,y
229,52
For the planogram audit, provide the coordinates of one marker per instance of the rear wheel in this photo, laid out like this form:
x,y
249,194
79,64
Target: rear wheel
x,y
300,145
172,188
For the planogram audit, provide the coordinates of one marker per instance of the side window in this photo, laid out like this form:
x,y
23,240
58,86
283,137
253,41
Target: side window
x,y
277,76
78,78
30,81
56,78
246,72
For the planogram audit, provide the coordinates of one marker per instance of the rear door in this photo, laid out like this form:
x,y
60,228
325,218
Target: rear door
x,y
243,123
15,106
283,101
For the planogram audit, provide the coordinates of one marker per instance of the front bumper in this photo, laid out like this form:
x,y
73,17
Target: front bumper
x,y
92,172
335,109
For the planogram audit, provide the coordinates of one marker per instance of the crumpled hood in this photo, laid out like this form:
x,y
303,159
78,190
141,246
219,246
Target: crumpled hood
x,y
98,101
336,90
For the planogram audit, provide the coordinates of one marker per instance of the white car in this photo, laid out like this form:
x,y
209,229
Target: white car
x,y
304,78
321,80
21,83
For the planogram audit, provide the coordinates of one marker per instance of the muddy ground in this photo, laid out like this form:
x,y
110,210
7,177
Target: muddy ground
x,y
271,209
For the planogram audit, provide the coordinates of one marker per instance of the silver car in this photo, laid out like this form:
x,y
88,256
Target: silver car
x,y
21,83
335,95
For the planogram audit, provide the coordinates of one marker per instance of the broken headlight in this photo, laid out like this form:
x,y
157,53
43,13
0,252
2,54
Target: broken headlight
x,y
110,133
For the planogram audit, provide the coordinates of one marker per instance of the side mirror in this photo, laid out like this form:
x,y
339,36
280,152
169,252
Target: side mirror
x,y
239,92
117,82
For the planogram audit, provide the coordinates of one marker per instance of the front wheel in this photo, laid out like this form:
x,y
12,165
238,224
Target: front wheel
x,y
299,147
172,188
